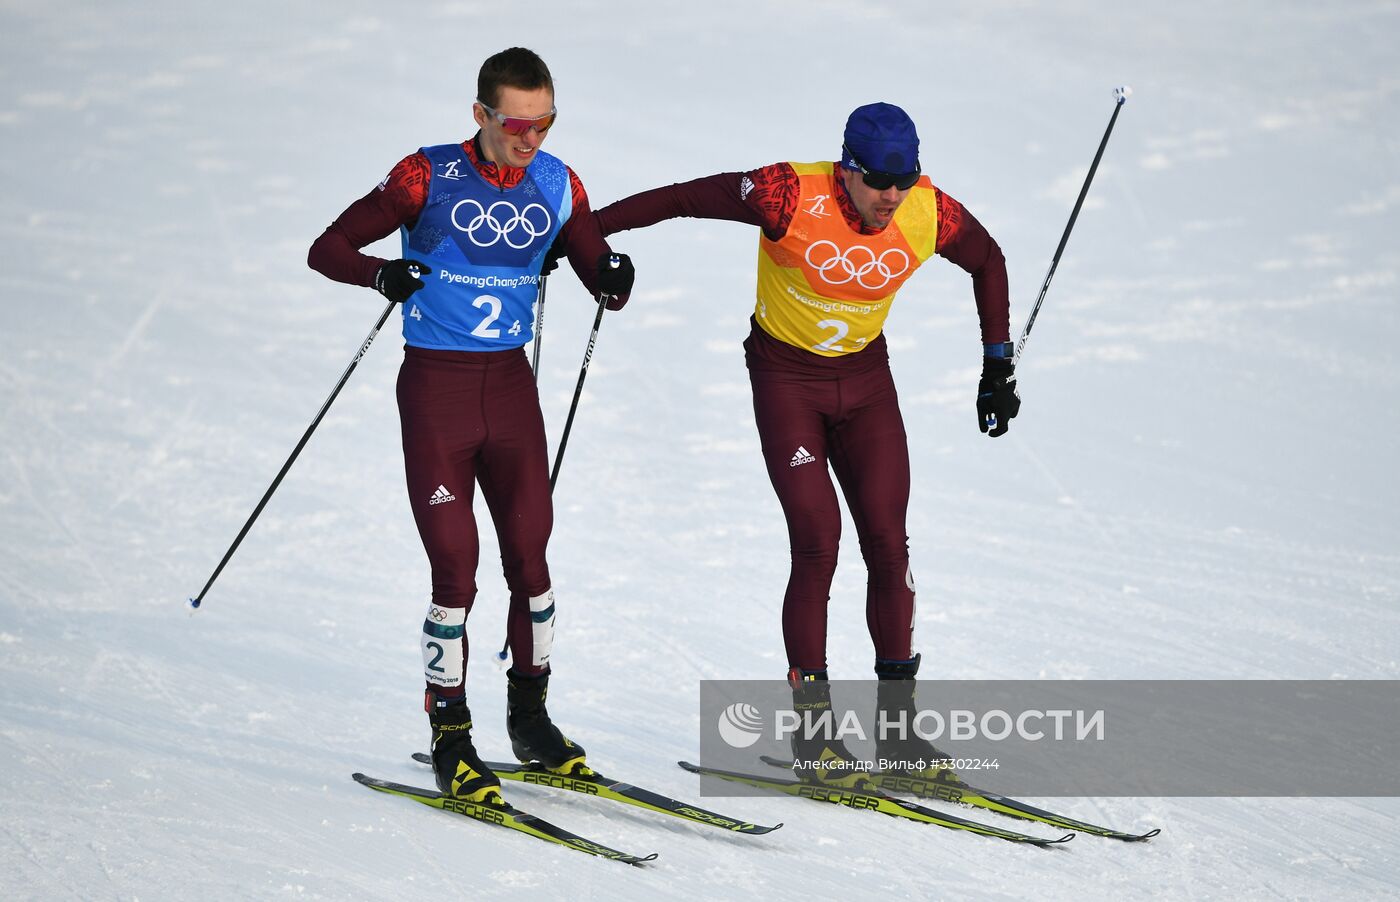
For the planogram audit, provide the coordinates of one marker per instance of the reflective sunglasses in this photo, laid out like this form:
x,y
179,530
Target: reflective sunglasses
x,y
881,181
514,125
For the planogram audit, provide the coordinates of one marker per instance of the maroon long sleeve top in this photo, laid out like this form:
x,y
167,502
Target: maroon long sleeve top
x,y
768,198
400,198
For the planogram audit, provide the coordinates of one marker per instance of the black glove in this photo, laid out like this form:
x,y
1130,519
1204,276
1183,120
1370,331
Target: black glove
x,y
398,279
997,400
557,251
615,281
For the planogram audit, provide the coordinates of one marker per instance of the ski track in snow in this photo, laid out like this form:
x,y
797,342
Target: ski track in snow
x,y
1198,487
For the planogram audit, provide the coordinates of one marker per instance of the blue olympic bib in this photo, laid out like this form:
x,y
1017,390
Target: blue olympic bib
x,y
486,247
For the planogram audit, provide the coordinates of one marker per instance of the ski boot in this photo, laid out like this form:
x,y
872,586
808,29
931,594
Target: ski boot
x,y
902,751
819,759
460,771
533,737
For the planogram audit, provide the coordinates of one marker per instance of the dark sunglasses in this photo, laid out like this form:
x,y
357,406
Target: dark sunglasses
x,y
514,125
881,181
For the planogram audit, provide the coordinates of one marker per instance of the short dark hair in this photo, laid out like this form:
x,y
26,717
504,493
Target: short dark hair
x,y
516,67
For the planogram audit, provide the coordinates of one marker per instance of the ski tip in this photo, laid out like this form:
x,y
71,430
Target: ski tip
x,y
1063,839
1146,836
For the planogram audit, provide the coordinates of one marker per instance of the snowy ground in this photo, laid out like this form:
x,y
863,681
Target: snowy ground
x,y
1200,484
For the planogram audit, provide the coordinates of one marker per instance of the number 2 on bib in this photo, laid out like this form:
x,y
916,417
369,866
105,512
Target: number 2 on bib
x,y
485,328
830,342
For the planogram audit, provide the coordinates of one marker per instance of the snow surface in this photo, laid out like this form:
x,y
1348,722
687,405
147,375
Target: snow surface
x,y
1200,484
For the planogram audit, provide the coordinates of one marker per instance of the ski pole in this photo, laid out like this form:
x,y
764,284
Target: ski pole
x,y
539,330
344,377
614,262
1120,96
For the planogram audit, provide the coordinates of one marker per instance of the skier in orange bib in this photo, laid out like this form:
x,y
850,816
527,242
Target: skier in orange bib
x,y
838,240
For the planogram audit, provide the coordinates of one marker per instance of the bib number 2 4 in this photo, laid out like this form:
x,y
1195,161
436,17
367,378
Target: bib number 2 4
x,y
487,327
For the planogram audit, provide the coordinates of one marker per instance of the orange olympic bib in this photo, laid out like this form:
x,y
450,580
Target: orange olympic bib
x,y
825,287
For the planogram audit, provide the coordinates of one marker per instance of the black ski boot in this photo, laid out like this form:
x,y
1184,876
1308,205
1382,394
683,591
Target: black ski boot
x,y
821,759
533,737
459,769
899,748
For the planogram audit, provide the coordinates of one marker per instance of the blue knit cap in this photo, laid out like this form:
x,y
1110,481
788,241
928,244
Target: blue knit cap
x,y
882,137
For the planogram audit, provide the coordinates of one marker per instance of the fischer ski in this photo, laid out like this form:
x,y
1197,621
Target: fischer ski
x,y
595,784
501,815
874,800
949,787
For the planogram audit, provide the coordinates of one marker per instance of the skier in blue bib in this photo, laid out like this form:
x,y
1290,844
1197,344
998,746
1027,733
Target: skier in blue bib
x,y
477,222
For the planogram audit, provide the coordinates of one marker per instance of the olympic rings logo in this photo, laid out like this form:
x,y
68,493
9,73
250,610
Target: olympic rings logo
x,y
858,263
508,228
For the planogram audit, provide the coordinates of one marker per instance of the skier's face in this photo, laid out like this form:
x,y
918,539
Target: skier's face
x,y
876,207
497,142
